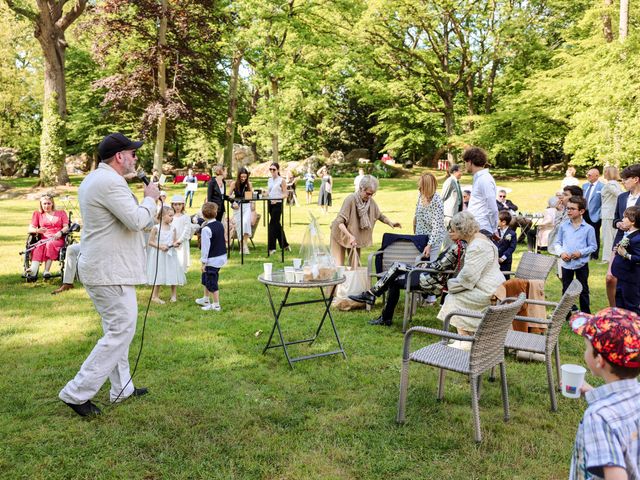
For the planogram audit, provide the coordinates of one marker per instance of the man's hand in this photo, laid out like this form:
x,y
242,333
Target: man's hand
x,y
621,251
576,255
152,191
565,256
620,226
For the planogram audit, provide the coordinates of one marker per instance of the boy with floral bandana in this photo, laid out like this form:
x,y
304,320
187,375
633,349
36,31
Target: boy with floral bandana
x,y
607,444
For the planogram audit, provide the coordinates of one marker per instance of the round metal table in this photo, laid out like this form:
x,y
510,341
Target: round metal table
x,y
278,280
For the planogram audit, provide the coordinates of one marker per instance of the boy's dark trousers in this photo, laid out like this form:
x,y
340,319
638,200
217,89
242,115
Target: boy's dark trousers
x,y
582,275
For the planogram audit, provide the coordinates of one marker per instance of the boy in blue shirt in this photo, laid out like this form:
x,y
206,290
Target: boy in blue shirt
x,y
575,243
607,444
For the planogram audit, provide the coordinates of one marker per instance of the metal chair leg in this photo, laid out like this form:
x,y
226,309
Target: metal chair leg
x,y
475,409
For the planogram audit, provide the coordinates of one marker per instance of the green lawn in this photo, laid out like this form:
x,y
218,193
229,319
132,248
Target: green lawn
x,y
219,408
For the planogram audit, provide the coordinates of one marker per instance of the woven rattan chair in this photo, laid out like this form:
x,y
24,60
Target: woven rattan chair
x,y
534,266
487,351
547,343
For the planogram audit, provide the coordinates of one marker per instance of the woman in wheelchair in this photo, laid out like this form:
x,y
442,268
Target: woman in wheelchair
x,y
49,226
461,231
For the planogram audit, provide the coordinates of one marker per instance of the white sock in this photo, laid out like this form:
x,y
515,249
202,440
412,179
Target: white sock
x,y
216,304
35,266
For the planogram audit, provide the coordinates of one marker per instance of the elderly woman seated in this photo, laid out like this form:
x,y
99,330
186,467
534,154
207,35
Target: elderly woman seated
x,y
353,227
461,229
51,225
476,283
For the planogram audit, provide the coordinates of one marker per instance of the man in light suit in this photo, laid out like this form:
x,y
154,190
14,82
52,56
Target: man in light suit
x,y
451,197
592,194
112,261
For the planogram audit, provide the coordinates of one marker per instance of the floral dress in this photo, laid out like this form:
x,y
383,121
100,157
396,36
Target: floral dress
x,y
430,221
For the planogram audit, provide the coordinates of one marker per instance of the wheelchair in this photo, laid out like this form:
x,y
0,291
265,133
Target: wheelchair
x,y
33,239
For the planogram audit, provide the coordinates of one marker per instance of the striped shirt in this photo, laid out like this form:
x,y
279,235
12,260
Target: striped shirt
x,y
608,433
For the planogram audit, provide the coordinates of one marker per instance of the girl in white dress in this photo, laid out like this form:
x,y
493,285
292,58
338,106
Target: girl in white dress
x,y
241,189
184,229
162,253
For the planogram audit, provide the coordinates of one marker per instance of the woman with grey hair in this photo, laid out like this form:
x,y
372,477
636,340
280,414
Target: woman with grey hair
x,y
461,229
353,227
477,281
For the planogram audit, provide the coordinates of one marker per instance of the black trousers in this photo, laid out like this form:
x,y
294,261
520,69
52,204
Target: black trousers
x,y
582,275
596,226
275,231
393,281
628,296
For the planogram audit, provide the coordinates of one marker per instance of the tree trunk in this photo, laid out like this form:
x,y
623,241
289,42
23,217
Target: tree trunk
x,y
606,21
449,125
624,19
275,148
158,154
53,137
229,131
50,20
469,125
488,103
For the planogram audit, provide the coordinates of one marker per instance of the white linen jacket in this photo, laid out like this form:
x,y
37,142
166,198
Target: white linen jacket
x,y
112,251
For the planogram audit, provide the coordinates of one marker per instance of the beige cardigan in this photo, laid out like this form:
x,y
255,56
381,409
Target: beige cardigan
x,y
112,251
348,216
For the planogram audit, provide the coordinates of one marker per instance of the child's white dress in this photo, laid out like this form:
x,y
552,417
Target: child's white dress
x,y
169,270
184,230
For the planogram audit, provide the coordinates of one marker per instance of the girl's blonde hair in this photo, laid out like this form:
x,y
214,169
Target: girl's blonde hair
x,y
162,211
611,173
427,185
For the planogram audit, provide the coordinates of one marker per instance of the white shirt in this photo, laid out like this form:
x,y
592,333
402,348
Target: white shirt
x,y
632,199
274,187
482,204
356,182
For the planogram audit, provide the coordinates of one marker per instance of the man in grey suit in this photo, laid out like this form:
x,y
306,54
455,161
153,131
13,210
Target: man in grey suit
x,y
112,261
451,197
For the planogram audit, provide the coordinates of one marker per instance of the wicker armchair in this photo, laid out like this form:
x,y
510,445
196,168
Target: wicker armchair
x,y
487,351
534,266
546,343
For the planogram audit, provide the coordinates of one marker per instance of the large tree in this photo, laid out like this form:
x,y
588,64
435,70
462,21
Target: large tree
x,y
50,20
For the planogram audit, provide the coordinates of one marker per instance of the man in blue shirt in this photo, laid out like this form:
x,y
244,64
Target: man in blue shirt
x,y
575,243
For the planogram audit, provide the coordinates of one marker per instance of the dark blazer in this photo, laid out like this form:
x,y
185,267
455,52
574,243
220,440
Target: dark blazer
x,y
507,205
506,248
628,270
215,195
621,206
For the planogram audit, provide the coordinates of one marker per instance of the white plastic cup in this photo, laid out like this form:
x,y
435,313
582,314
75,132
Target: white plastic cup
x,y
289,274
572,377
299,274
340,271
297,263
268,268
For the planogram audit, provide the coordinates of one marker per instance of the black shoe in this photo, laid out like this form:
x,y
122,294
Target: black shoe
x,y
138,392
380,321
364,297
86,409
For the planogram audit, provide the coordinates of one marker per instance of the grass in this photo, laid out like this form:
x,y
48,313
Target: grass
x,y
220,409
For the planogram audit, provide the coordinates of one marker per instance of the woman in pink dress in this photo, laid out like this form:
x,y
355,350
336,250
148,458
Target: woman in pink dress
x,y
48,223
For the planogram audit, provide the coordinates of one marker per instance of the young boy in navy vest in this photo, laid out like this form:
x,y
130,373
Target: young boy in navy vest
x,y
506,241
213,256
626,263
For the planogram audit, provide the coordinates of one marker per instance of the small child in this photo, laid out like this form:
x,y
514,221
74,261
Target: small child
x,y
213,256
607,442
184,230
163,267
575,242
626,263
506,242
